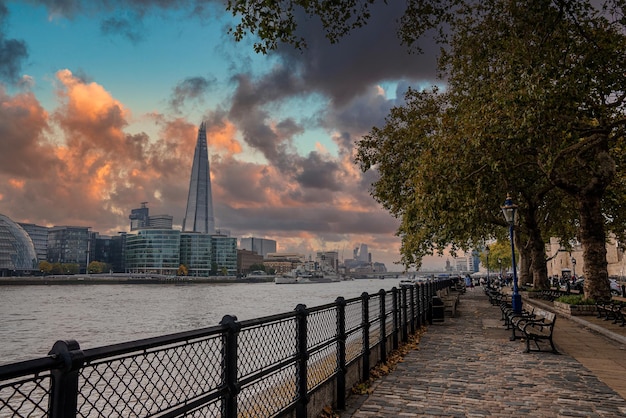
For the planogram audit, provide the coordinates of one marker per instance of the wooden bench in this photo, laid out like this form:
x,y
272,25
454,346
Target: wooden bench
x,y
513,320
551,294
450,300
539,328
611,310
495,297
450,304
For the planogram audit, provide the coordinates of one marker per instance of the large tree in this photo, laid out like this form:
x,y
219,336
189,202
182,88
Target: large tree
x,y
551,76
538,86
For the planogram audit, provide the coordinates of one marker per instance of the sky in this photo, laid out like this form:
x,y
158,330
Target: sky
x,y
100,103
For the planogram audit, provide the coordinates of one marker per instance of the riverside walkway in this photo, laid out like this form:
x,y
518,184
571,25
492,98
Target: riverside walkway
x,y
467,367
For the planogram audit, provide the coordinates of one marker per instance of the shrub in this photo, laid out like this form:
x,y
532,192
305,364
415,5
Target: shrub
x,y
576,300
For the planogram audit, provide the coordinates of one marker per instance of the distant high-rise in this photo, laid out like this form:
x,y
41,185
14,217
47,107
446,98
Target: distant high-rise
x,y
199,214
262,246
140,218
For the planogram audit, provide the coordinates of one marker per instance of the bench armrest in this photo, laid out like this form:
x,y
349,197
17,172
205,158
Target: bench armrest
x,y
539,324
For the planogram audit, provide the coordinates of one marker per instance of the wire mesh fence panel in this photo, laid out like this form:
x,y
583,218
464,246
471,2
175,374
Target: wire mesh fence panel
x,y
354,331
25,396
144,383
322,366
354,345
321,326
374,319
354,315
265,344
269,395
374,307
389,313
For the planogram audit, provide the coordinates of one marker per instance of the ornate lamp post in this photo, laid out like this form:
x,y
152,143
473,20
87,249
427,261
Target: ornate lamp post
x,y
487,253
510,210
574,267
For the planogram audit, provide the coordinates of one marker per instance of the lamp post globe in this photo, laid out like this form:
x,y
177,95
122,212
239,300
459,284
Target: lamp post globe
x,y
509,209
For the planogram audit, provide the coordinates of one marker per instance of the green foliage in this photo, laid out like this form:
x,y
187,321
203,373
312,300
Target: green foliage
x,y
576,300
275,22
45,267
533,106
499,256
96,267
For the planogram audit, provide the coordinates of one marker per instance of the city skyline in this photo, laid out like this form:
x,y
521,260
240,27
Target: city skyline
x,y
100,110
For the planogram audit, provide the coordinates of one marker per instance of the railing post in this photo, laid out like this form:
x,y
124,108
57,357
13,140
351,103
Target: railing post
x,y
404,319
64,391
301,364
422,299
365,325
418,305
229,365
412,298
341,353
383,325
396,316
429,302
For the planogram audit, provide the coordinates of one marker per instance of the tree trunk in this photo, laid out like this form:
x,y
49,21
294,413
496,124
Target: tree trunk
x,y
586,181
537,251
525,262
593,240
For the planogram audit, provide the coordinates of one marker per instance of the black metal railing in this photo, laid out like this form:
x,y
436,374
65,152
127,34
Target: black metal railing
x,y
269,366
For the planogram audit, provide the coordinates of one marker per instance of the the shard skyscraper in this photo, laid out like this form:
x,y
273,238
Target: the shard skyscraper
x,y
199,214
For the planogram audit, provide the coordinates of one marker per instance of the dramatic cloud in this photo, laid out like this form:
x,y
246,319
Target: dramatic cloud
x,y
361,59
85,157
131,29
12,52
192,88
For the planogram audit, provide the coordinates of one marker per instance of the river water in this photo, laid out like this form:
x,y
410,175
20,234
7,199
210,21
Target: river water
x,y
32,318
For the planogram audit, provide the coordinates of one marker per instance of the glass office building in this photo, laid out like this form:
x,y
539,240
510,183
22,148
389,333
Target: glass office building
x,y
195,253
17,252
225,254
153,251
69,245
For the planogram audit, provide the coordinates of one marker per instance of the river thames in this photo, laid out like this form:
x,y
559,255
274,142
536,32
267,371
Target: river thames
x,y
34,317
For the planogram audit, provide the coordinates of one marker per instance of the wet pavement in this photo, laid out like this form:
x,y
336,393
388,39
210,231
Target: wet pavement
x,y
468,367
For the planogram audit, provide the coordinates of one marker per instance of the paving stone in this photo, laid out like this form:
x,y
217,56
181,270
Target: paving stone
x,y
467,367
